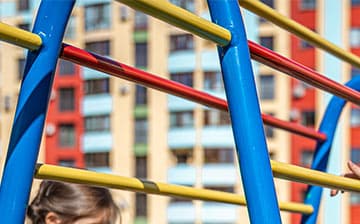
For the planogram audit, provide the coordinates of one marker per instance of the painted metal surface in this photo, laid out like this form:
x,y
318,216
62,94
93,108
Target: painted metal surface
x,y
117,69
181,18
136,185
19,37
31,110
301,72
320,161
258,183
299,30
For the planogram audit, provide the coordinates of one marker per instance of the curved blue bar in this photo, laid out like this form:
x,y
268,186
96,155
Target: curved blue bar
x,y
31,110
321,156
245,115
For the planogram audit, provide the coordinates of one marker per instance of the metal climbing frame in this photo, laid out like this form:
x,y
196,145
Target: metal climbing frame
x,y
45,45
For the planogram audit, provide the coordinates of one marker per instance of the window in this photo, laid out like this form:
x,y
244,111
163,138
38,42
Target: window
x,y
99,47
96,86
66,68
269,131
141,167
354,198
216,118
66,135
21,68
141,21
355,155
355,72
23,5
228,189
355,117
308,4
141,205
219,155
355,37
141,131
267,42
183,78
97,159
183,156
24,26
305,45
213,81
185,4
67,162
97,16
269,3
308,118
182,119
140,95
141,58
66,99
181,42
355,2
307,157
267,87
97,123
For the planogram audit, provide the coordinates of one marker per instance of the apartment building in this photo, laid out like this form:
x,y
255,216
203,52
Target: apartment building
x,y
111,125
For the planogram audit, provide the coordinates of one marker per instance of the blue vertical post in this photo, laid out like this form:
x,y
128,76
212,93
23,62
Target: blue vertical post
x,y
31,110
245,115
320,162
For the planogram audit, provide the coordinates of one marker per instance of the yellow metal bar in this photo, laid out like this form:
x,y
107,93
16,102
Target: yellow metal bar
x,y
181,18
19,37
133,184
299,30
313,177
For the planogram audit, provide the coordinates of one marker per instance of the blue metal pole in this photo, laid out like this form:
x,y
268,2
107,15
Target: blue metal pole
x,y
320,161
31,110
245,115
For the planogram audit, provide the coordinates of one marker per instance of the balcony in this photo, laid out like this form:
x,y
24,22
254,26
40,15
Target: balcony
x,y
97,142
182,174
210,61
219,175
182,61
218,213
179,104
217,136
89,73
181,212
97,104
181,138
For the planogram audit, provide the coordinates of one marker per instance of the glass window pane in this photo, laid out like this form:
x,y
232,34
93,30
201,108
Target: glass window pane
x,y
141,58
183,78
66,99
140,95
66,135
267,87
99,47
97,86
141,131
97,159
66,67
97,16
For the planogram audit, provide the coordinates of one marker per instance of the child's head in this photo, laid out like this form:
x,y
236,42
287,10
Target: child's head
x,y
65,203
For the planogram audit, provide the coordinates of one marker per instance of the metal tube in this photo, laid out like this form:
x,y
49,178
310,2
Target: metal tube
x,y
19,37
120,70
31,110
73,175
245,115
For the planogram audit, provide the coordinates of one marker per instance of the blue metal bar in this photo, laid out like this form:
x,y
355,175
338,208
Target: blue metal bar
x,y
245,115
321,156
31,110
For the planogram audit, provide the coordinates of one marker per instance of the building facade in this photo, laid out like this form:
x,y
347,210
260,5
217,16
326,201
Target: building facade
x,y
110,125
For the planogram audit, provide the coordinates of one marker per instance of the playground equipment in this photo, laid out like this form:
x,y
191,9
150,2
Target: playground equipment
x,y
45,45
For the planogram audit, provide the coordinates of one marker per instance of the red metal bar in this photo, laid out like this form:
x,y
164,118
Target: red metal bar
x,y
123,71
299,71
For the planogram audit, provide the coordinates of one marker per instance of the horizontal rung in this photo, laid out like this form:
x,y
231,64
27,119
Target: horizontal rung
x,y
19,37
80,176
313,177
299,30
182,18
